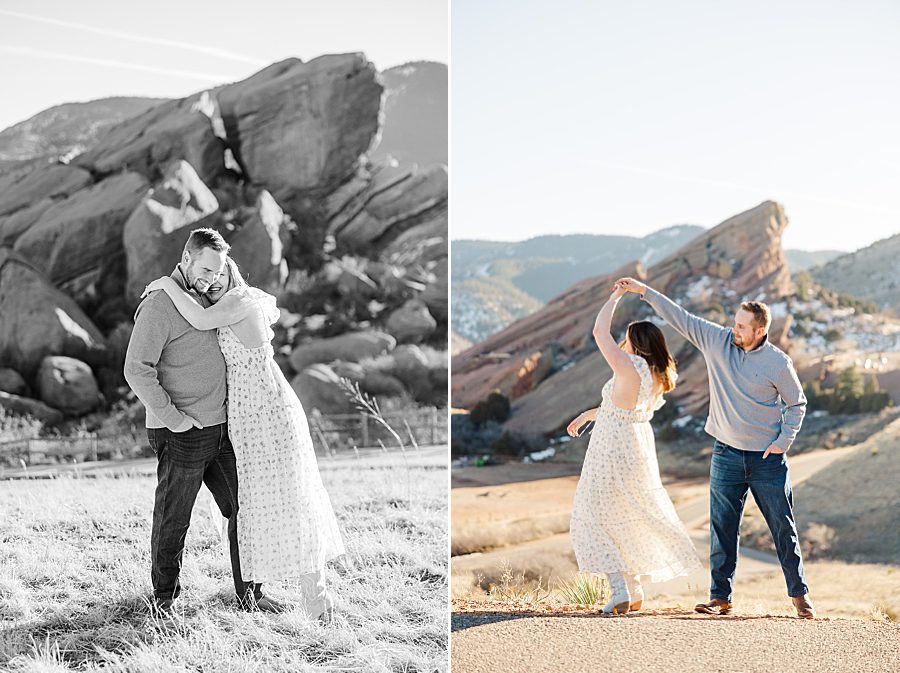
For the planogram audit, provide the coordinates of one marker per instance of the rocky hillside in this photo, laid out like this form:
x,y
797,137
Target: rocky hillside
x,y
871,273
495,283
415,108
355,250
67,130
548,364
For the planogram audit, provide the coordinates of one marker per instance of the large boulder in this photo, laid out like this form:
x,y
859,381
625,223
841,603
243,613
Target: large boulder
x,y
155,232
68,384
25,406
410,365
78,242
411,323
25,197
392,202
371,380
150,142
318,387
351,347
258,245
301,127
39,320
12,382
435,295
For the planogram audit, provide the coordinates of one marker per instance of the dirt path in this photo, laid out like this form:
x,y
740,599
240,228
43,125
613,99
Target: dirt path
x,y
540,541
669,641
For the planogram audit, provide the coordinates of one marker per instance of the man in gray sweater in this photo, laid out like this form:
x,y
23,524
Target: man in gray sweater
x,y
178,373
756,406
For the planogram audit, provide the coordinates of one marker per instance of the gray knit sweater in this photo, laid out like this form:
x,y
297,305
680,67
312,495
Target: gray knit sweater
x,y
173,368
755,398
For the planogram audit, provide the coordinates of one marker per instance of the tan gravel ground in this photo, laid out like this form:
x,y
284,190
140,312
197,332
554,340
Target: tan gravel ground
x,y
512,640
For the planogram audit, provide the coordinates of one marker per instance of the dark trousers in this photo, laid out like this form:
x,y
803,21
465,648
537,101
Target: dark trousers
x,y
732,473
186,460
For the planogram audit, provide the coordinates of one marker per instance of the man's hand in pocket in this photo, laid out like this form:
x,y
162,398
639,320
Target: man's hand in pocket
x,y
187,423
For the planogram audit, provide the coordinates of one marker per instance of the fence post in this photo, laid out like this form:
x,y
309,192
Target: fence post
x,y
94,448
433,426
364,422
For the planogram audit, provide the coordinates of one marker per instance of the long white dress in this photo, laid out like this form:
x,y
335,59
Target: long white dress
x,y
286,525
622,518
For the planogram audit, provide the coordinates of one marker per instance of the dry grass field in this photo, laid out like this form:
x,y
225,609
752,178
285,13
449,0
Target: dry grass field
x,y
74,579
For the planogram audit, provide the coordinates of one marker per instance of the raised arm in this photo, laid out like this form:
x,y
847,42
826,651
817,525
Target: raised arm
x,y
618,359
700,332
227,311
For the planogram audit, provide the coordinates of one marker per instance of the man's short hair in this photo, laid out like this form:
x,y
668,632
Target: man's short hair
x,y
762,316
205,238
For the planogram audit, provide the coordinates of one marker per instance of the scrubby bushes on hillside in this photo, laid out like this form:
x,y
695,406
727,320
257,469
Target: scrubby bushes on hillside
x,y
851,394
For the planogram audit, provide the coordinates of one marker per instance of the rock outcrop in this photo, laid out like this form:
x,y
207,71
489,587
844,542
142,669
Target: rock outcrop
x,y
68,384
77,242
40,320
278,164
25,406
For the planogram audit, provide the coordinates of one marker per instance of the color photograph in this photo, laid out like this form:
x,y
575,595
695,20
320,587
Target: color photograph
x,y
675,359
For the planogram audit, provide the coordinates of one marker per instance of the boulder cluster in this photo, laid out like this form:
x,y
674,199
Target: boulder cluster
x,y
355,251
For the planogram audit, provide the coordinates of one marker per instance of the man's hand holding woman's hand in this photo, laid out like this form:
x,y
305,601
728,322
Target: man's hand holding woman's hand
x,y
631,285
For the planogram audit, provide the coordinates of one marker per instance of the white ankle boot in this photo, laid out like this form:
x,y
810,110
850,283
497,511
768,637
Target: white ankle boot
x,y
635,592
620,601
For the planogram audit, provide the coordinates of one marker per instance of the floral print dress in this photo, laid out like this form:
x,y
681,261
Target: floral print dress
x,y
286,525
622,518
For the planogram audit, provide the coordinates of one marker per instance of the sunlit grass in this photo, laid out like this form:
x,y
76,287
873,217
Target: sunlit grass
x,y
75,567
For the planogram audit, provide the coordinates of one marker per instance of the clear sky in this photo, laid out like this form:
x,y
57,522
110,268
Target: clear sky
x,y
625,117
59,51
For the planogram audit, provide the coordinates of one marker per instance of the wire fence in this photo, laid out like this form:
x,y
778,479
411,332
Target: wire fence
x,y
332,434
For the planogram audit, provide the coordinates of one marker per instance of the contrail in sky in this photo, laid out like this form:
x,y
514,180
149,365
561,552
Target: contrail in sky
x,y
733,185
134,37
202,76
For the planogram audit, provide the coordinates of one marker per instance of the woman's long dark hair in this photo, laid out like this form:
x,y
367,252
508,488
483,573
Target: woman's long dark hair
x,y
648,341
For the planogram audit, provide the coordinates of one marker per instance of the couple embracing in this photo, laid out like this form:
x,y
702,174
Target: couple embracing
x,y
623,523
221,413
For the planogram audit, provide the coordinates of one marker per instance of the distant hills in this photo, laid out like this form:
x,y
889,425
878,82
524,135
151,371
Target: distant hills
x,y
415,110
70,127
494,283
871,273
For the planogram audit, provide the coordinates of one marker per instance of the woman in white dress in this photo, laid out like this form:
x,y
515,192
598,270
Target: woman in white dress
x,y
623,523
286,525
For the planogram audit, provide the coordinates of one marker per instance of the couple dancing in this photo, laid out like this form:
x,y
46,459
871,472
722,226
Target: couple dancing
x,y
220,413
623,523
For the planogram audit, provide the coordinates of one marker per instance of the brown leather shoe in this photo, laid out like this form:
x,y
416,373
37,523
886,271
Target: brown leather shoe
x,y
716,606
805,609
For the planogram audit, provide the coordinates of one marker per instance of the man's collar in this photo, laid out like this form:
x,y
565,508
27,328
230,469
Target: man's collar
x,y
179,277
762,344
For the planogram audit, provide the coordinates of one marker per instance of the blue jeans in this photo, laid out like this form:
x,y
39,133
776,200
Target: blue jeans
x,y
732,473
185,461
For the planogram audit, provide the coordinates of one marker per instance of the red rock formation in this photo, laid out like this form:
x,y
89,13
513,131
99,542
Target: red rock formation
x,y
739,259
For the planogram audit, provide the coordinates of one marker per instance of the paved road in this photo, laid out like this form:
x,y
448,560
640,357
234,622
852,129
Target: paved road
x,y
670,642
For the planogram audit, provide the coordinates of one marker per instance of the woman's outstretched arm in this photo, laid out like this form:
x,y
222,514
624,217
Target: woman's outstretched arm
x,y
617,358
227,311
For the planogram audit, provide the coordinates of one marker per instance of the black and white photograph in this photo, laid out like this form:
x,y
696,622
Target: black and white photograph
x,y
224,336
